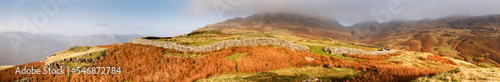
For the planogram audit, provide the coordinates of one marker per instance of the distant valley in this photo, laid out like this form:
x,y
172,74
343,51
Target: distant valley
x,y
34,47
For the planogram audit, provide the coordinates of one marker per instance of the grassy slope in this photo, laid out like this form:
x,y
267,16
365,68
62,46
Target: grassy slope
x,y
148,63
466,75
80,52
456,43
261,63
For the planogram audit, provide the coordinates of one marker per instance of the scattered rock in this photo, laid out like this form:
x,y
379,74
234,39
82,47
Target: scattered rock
x,y
312,79
309,58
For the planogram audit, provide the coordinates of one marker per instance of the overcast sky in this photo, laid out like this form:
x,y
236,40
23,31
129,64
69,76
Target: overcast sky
x,y
173,17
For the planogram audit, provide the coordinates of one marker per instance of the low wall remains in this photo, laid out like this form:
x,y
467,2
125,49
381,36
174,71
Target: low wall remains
x,y
343,50
222,44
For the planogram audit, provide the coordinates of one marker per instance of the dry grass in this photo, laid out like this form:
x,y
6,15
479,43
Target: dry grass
x,y
148,63
466,75
413,59
481,49
4,67
67,54
288,74
437,58
465,44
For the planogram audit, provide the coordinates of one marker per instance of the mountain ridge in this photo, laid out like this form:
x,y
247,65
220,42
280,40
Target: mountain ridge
x,y
443,36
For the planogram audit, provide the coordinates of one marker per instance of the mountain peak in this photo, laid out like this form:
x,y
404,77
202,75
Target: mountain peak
x,y
301,25
286,19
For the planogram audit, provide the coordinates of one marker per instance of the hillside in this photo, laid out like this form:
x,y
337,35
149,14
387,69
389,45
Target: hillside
x,y
473,39
284,47
249,63
285,24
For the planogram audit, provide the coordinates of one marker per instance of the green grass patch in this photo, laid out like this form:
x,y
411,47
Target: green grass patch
x,y
198,39
327,42
83,56
486,65
95,54
319,50
158,39
389,60
75,49
445,48
235,56
210,33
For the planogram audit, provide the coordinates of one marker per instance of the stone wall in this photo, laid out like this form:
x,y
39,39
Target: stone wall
x,y
342,50
222,44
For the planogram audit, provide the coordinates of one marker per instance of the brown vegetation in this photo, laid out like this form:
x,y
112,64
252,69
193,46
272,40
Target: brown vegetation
x,y
148,63
480,49
369,57
473,39
438,58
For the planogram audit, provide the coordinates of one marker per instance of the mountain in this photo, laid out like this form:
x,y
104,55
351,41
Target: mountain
x,y
286,24
442,36
22,47
471,38
284,47
100,39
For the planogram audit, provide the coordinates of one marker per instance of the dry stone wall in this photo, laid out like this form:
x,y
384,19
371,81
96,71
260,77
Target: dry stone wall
x,y
223,44
342,50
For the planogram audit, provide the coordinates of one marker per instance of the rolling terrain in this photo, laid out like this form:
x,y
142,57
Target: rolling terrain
x,y
292,47
473,39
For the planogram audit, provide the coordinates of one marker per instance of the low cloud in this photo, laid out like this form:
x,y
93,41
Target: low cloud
x,y
117,26
349,11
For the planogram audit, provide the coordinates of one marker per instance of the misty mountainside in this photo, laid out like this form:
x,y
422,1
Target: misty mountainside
x,y
22,47
471,38
285,24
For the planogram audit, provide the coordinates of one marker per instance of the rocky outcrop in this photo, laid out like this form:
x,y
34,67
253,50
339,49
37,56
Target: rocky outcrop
x,y
342,50
223,44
